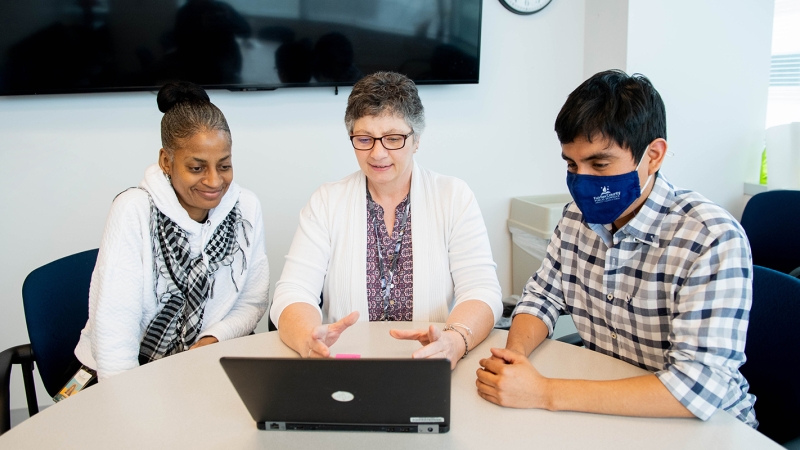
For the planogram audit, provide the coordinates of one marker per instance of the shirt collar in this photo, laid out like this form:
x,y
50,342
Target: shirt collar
x,y
646,224
603,232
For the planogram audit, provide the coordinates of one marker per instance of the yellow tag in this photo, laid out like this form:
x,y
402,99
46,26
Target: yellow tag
x,y
74,385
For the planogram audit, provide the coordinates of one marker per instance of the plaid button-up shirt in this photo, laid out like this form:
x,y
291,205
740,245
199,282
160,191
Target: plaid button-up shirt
x,y
669,292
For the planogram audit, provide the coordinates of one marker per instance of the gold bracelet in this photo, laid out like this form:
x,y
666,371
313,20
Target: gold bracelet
x,y
450,327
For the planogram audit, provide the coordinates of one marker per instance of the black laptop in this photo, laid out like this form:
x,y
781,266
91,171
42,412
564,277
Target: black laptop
x,y
394,395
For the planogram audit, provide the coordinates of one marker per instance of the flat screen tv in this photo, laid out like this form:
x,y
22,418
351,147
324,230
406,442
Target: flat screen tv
x,y
66,46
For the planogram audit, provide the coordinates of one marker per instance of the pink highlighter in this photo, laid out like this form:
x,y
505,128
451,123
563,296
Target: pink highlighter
x,y
348,356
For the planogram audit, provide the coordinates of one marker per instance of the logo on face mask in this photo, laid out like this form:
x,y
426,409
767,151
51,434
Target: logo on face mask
x,y
617,193
606,195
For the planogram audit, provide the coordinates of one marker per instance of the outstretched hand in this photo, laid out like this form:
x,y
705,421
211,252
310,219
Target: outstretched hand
x,y
323,336
436,343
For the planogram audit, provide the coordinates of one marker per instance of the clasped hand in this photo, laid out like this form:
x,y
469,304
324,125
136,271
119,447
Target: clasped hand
x,y
509,379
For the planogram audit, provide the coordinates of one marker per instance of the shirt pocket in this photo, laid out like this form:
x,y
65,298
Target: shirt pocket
x,y
640,304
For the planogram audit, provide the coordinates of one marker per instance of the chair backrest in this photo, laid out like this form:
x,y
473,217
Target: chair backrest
x,y
773,355
56,301
772,221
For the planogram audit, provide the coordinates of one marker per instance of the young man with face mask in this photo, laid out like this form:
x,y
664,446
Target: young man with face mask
x,y
654,275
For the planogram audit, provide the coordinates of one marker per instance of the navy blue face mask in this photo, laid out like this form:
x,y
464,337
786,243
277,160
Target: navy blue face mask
x,y
602,199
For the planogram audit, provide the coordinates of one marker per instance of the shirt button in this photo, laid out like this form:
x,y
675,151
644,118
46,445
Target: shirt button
x,y
628,297
610,296
613,335
391,302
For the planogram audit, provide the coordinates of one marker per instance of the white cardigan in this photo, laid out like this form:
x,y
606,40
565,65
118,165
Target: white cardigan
x,y
122,301
452,259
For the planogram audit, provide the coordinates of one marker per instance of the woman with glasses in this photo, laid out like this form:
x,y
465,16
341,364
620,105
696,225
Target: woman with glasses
x,y
356,246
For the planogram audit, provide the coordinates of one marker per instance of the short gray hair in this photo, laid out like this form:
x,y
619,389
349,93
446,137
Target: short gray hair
x,y
386,93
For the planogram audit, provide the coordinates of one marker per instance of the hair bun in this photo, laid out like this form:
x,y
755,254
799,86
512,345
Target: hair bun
x,y
176,92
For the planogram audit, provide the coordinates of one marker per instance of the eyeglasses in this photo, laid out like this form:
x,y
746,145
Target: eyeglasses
x,y
389,142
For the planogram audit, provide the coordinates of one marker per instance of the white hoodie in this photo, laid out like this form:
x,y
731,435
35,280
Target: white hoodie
x,y
122,299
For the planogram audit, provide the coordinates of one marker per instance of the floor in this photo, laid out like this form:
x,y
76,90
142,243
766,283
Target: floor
x,y
19,415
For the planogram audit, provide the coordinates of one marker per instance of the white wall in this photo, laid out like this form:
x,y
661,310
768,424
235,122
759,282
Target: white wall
x,y
605,37
64,158
710,62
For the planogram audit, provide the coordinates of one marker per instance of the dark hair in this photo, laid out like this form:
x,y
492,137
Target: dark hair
x,y
382,93
625,109
187,110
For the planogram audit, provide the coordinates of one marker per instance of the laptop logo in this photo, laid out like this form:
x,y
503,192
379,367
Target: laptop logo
x,y
342,396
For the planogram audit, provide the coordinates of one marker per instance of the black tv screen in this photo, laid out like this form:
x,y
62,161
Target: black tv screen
x,y
62,46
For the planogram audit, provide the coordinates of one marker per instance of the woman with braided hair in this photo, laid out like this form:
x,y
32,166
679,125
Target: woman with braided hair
x,y
182,262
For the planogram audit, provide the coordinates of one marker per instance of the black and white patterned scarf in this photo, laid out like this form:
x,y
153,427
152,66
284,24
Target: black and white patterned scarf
x,y
190,282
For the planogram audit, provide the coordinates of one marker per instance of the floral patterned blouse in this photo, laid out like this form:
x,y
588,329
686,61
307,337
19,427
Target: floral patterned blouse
x,y
401,303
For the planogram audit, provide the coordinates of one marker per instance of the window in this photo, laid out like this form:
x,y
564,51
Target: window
x,y
783,105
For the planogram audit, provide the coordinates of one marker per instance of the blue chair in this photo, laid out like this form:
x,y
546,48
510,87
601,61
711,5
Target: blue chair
x,y
772,223
56,302
773,360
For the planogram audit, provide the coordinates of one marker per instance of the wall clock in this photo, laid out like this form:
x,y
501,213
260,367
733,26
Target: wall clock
x,y
525,7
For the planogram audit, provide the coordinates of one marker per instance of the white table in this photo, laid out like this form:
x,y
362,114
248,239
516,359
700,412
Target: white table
x,y
186,402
